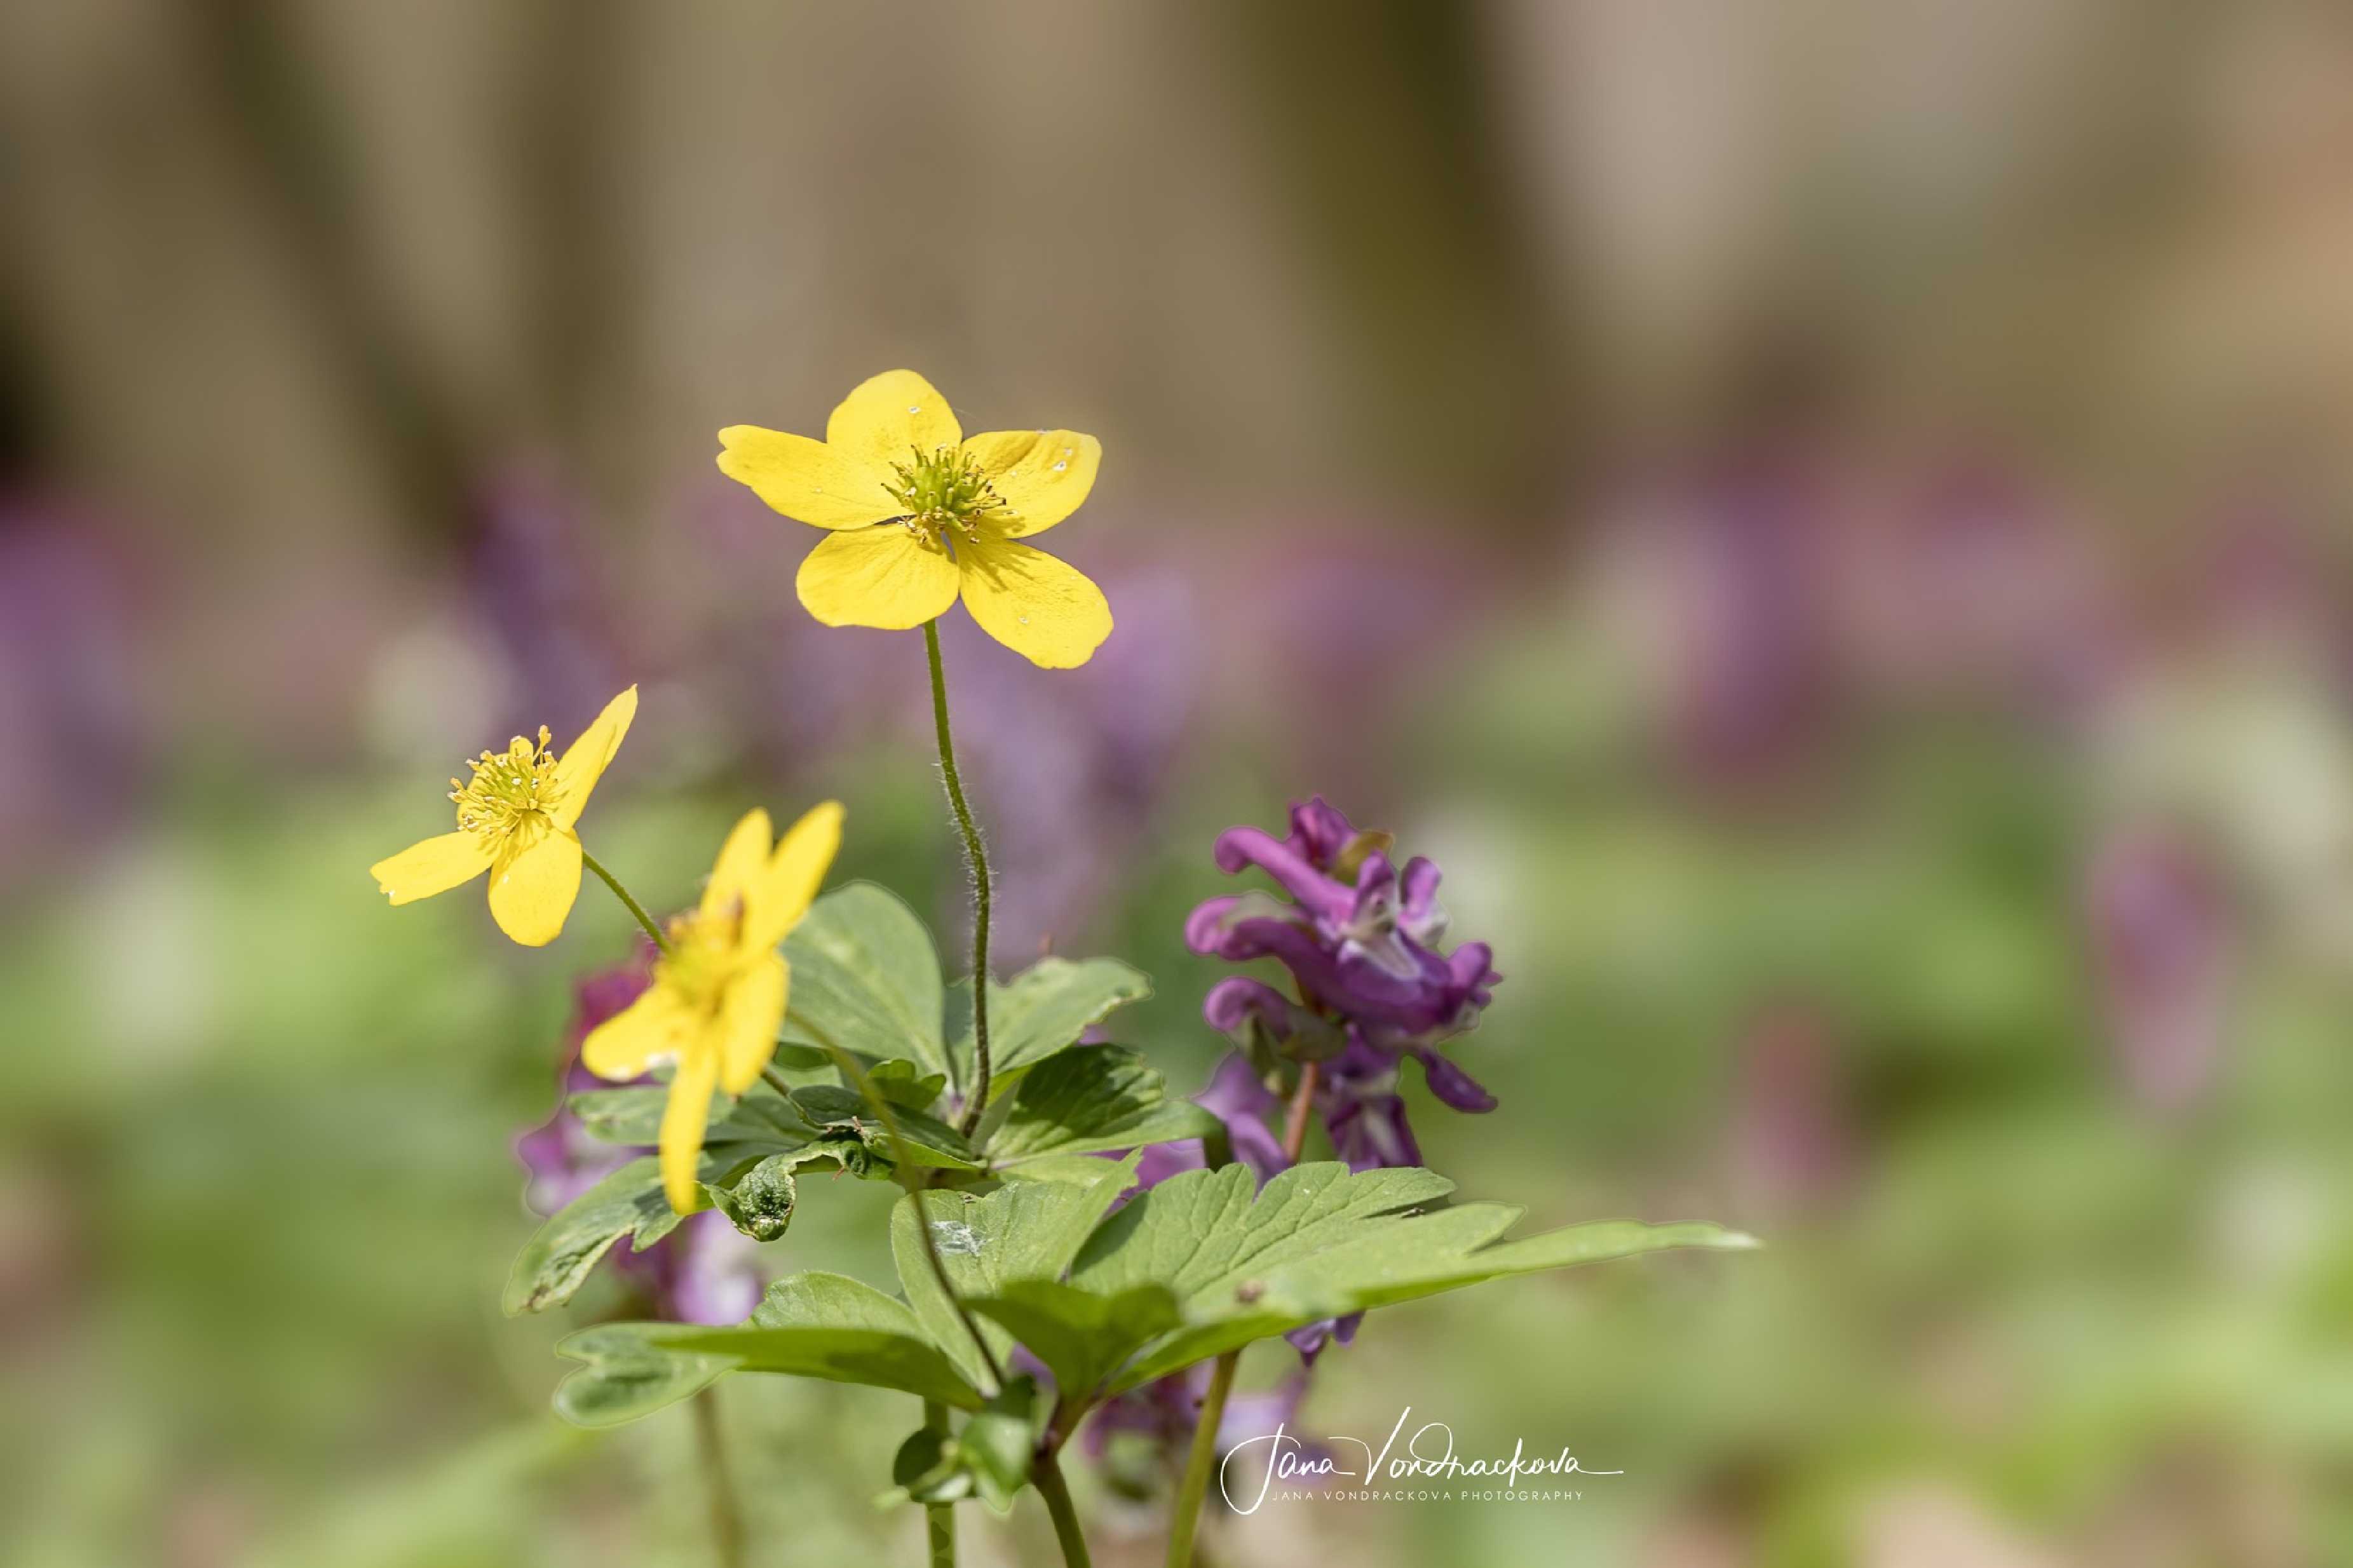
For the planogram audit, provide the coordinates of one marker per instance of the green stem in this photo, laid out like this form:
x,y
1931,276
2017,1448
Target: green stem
x,y
850,1068
939,1523
1047,1475
978,859
653,928
726,1524
1200,1462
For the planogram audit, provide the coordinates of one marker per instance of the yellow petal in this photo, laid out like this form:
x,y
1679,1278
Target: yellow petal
x,y
807,480
749,1015
742,862
627,1043
683,1120
888,414
1041,475
1046,611
533,886
578,769
435,866
884,577
792,877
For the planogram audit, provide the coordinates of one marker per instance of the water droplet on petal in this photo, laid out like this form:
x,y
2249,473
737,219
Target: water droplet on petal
x,y
1059,466
1025,620
915,408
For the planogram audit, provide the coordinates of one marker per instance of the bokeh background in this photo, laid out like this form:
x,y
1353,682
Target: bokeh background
x,y
1827,518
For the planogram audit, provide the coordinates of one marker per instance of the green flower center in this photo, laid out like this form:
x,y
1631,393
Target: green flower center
x,y
510,791
942,489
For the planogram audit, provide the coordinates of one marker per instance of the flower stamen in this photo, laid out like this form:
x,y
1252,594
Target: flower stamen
x,y
511,792
941,490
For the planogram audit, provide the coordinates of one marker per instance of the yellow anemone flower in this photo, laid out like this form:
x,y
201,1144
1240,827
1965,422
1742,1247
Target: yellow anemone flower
x,y
718,992
515,821
921,512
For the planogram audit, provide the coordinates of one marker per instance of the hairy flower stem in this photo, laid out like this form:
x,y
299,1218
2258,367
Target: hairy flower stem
x,y
653,927
910,1175
726,1524
1046,1472
1203,1458
939,1522
978,859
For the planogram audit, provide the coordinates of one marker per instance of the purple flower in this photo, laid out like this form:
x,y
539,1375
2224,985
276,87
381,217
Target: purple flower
x,y
705,1270
1237,1097
1358,935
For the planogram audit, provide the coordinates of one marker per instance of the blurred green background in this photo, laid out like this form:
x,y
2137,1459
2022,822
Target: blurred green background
x,y
1827,520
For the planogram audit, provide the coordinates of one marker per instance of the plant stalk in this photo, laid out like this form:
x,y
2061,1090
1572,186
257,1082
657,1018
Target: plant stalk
x,y
726,1522
976,859
1047,1473
939,1522
1186,1521
653,927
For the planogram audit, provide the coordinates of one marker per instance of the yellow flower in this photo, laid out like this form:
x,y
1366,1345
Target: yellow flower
x,y
515,821
921,512
718,992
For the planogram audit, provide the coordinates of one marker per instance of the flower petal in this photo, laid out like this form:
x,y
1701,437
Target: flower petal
x,y
887,414
743,861
627,1043
749,1015
533,886
683,1120
580,767
435,866
1041,475
792,875
885,577
1046,611
807,480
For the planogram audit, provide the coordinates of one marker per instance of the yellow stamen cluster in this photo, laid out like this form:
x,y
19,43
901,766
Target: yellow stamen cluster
x,y
510,789
703,957
942,490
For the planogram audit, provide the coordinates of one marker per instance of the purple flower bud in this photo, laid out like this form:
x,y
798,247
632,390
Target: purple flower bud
x,y
1450,1083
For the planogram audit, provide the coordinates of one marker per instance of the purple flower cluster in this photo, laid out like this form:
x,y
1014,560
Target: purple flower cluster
x,y
1359,937
705,1271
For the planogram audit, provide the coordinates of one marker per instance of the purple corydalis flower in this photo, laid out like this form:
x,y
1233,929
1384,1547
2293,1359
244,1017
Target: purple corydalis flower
x,y
1357,937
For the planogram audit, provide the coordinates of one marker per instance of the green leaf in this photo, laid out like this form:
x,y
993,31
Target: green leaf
x,y
761,1203
866,978
833,1110
1080,1337
1030,1230
928,1469
1318,1243
1089,1098
901,1082
1200,1233
998,1441
555,1261
990,1456
1043,1009
810,1325
628,1376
